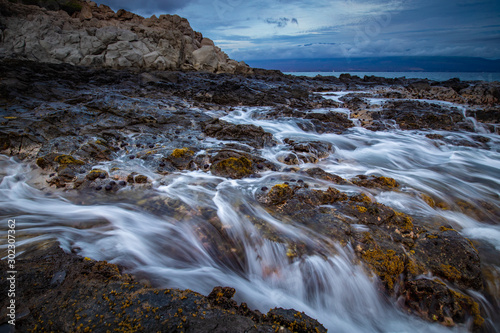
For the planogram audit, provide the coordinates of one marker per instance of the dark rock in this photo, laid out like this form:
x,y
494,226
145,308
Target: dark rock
x,y
380,182
432,300
63,291
295,321
321,174
249,134
233,167
396,248
96,173
140,179
451,257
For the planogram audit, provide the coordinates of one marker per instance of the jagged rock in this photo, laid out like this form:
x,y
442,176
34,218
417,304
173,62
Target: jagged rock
x,y
97,36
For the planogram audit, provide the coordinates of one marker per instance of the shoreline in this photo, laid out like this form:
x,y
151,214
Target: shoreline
x,y
68,121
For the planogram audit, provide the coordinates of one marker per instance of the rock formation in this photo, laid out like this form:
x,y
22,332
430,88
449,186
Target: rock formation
x,y
82,33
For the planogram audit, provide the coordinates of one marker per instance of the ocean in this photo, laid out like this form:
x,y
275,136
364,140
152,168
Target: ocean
x,y
436,76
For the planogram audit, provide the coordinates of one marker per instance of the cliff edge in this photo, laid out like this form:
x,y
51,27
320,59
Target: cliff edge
x,y
85,34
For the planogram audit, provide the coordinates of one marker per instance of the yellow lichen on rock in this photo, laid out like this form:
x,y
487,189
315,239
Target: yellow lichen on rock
x,y
361,209
182,152
234,167
450,272
474,306
386,264
428,200
68,159
389,182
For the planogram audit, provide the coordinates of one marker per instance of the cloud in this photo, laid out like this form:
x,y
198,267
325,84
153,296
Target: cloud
x,y
147,7
281,22
269,29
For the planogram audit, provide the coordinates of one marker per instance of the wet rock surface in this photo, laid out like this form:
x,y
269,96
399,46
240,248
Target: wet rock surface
x,y
103,133
401,251
109,300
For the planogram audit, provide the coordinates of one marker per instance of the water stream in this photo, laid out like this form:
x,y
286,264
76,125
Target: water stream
x,y
174,243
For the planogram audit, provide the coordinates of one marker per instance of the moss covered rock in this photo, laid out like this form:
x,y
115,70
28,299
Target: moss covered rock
x,y
233,167
67,160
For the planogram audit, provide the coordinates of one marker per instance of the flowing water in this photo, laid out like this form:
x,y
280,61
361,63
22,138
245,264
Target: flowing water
x,y
166,234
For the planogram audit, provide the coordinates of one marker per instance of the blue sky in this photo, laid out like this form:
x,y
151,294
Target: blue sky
x,y
279,29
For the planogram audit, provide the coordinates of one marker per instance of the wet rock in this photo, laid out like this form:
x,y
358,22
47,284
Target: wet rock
x,y
380,182
249,134
395,247
43,163
96,173
233,167
98,150
487,115
289,159
279,194
181,158
451,257
321,174
418,115
434,301
311,151
68,160
140,179
107,299
295,321
221,296
329,122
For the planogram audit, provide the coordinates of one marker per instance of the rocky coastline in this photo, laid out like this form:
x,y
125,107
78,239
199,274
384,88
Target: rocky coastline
x,y
66,114
60,119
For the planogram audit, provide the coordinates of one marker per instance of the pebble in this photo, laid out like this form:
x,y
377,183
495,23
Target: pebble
x,y
98,188
108,187
132,157
102,175
151,146
162,164
112,183
264,189
122,183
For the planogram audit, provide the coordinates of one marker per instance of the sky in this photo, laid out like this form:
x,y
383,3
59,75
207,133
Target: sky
x,y
279,29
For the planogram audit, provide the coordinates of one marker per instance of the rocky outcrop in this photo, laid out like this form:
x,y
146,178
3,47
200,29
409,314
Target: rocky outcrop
x,y
82,33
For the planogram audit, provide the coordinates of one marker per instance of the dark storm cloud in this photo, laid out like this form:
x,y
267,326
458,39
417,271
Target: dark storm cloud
x,y
147,7
267,29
